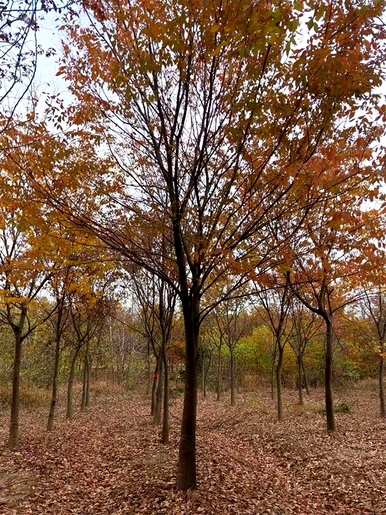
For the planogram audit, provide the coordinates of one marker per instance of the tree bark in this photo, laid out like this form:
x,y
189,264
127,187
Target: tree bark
x,y
232,371
15,404
159,392
206,371
279,401
88,374
218,388
148,374
381,385
203,375
330,416
84,384
186,471
273,368
305,378
54,391
154,386
165,417
70,385
300,380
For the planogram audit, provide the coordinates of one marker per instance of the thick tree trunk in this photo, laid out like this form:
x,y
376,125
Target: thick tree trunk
x,y
279,401
330,416
15,403
381,385
300,380
232,371
54,391
70,385
186,472
165,417
218,386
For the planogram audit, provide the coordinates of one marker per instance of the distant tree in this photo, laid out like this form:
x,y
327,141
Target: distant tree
x,y
276,304
304,327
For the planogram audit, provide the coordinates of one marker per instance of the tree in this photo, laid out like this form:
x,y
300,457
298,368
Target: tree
x,y
20,50
59,285
305,326
210,113
276,303
157,302
232,324
24,247
332,251
374,303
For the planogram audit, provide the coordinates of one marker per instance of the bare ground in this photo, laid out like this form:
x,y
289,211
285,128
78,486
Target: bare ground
x,y
108,460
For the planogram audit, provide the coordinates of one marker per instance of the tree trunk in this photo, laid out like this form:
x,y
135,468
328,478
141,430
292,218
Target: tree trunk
x,y
279,367
159,392
305,377
154,386
206,371
15,404
218,389
88,373
70,385
84,384
186,472
381,386
300,380
330,416
148,374
273,373
232,363
203,375
54,392
165,418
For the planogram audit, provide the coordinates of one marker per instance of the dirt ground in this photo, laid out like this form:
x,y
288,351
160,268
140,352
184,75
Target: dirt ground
x,y
108,460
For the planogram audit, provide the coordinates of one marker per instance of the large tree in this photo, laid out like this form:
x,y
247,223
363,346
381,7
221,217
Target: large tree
x,y
211,111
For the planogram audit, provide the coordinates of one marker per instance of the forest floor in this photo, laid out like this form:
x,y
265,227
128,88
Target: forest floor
x,y
109,461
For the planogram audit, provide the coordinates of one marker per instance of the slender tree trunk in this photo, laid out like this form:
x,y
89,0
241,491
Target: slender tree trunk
x,y
203,375
54,391
300,380
218,393
330,416
84,383
186,472
305,377
70,385
273,368
381,385
88,374
154,386
232,363
206,371
165,418
148,379
279,367
15,404
159,392
273,380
